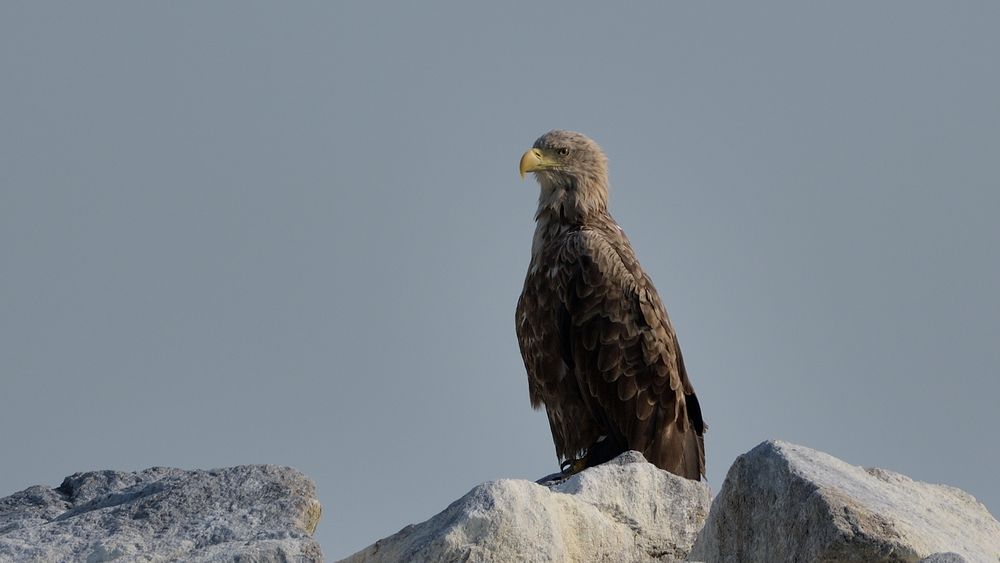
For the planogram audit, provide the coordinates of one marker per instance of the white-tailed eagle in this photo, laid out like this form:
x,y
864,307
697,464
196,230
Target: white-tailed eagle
x,y
599,349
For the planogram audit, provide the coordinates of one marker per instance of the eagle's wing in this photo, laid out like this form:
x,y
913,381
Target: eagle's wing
x,y
624,352
540,324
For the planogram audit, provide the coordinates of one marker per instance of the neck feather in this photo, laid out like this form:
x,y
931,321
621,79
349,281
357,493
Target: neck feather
x,y
571,201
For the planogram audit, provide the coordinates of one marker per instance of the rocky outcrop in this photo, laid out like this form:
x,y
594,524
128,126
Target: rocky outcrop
x,y
782,502
625,510
779,502
259,513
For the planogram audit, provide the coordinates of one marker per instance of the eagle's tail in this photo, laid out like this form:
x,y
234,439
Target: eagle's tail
x,y
694,455
679,451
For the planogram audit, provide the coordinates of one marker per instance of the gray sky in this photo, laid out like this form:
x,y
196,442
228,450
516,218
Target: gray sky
x,y
241,232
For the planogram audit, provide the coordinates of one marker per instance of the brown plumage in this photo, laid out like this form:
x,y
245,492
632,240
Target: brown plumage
x,y
599,349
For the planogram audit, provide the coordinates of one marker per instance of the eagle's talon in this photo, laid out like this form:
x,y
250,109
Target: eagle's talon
x,y
573,466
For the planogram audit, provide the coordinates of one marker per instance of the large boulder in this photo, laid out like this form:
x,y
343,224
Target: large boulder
x,y
622,511
259,513
783,502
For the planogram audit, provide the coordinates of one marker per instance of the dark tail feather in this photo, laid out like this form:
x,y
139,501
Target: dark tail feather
x,y
694,455
681,453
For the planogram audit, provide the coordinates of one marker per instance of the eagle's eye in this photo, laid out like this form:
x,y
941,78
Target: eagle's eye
x,y
563,151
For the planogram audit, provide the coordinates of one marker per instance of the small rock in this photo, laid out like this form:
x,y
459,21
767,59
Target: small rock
x,y
944,558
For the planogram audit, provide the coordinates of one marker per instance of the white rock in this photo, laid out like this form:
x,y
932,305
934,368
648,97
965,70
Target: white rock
x,y
253,513
782,502
622,511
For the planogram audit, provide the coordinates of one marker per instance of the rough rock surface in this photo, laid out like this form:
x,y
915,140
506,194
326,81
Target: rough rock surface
x,y
258,513
782,502
944,558
624,510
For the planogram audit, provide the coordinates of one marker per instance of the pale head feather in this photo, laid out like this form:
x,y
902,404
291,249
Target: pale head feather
x,y
577,188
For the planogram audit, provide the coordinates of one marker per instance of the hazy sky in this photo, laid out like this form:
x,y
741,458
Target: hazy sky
x,y
244,232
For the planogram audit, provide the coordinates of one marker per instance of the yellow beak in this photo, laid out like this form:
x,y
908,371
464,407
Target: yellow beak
x,y
531,161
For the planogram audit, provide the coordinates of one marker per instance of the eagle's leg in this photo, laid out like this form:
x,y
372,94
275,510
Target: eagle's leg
x,y
599,452
603,450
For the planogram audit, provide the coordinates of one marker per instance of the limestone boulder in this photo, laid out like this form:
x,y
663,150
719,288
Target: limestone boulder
x,y
784,502
259,513
626,510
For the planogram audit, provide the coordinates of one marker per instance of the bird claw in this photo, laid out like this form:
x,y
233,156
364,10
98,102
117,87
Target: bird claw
x,y
573,466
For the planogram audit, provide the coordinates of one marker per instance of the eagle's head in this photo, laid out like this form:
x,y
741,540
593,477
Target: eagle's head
x,y
573,173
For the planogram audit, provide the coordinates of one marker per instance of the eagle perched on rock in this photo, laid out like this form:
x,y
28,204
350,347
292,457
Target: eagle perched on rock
x,y
599,349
